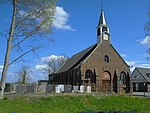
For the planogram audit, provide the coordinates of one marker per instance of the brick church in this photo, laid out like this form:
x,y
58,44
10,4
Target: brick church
x,y
99,66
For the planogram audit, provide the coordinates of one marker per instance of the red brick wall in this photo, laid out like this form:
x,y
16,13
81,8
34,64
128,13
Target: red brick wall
x,y
96,61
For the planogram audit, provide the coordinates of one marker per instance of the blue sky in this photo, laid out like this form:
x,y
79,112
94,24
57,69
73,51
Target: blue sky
x,y
75,30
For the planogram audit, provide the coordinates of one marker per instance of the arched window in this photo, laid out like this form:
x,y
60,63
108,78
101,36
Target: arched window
x,y
123,77
106,59
88,74
104,29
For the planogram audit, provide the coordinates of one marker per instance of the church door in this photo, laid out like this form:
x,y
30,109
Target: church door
x,y
106,82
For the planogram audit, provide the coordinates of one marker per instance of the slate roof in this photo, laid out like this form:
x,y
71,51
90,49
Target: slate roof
x,y
75,60
143,72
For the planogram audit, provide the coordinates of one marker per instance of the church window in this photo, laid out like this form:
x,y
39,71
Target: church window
x,y
88,74
123,77
106,59
104,29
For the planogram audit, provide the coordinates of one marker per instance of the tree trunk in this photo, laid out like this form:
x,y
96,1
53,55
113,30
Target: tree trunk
x,y
8,51
24,77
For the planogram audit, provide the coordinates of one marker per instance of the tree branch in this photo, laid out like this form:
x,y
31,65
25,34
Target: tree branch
x,y
3,35
31,50
23,39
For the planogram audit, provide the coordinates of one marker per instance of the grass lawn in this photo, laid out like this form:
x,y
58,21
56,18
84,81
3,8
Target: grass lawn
x,y
74,104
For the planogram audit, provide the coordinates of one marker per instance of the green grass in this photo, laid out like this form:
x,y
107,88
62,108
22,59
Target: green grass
x,y
74,104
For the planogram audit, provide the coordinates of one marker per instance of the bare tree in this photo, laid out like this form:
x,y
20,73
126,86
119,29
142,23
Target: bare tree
x,y
62,59
24,74
31,19
53,63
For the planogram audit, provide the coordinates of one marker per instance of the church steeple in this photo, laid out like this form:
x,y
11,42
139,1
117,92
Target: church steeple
x,y
102,19
102,30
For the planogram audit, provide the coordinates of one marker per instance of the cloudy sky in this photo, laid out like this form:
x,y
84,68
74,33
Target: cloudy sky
x,y
75,29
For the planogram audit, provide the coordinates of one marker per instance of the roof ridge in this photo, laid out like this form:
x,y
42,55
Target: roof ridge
x,y
85,49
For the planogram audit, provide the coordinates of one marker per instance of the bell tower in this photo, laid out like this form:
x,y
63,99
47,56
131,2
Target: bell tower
x,y
103,34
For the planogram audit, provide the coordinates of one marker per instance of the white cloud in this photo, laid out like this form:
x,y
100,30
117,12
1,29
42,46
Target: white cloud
x,y
1,68
40,66
48,58
134,64
146,41
43,68
61,19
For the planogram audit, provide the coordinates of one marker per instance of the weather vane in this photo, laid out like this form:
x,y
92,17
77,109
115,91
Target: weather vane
x,y
102,4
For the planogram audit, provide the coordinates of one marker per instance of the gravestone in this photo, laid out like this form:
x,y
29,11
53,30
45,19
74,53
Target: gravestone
x,y
21,89
61,87
88,89
68,88
8,87
30,88
75,88
82,88
50,88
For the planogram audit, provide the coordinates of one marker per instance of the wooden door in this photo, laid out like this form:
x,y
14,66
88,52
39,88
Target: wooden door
x,y
106,82
106,86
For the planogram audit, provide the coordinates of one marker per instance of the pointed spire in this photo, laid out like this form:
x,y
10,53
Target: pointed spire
x,y
102,20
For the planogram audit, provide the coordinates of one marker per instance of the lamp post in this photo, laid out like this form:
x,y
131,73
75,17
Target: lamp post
x,y
144,88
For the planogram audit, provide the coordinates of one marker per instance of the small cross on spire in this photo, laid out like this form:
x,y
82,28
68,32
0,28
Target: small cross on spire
x,y
102,4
